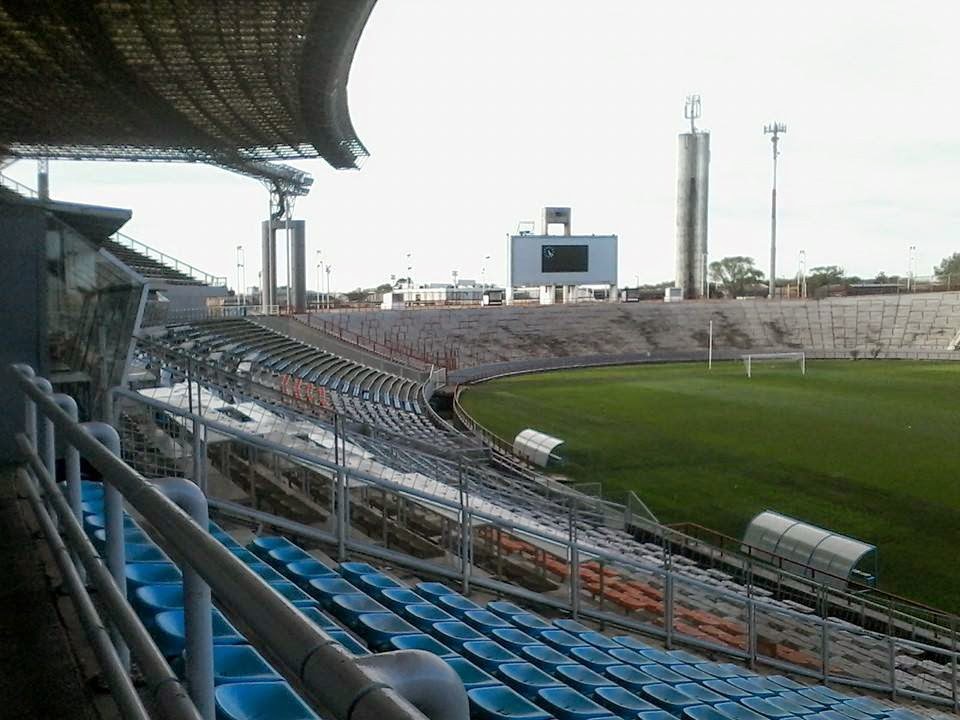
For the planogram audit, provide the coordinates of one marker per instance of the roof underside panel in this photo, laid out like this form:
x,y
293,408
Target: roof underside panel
x,y
223,81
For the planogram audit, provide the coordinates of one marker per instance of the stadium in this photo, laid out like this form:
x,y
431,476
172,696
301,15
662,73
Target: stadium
x,y
559,498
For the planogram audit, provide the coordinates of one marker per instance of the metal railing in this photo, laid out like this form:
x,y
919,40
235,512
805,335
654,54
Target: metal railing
x,y
10,184
346,688
359,505
169,261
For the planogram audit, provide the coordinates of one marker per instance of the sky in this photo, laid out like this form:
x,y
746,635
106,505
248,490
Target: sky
x,y
477,115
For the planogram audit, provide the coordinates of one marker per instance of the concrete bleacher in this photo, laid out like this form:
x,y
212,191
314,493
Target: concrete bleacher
x,y
147,266
865,325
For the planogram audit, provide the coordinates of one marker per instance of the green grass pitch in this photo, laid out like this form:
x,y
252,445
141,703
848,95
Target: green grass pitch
x,y
867,448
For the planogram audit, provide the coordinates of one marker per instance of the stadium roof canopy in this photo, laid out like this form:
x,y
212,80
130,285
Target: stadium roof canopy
x,y
826,556
231,82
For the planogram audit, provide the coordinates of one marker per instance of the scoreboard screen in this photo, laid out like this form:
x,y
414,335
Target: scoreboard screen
x,y
564,258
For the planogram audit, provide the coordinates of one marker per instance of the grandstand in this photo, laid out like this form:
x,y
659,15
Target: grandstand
x,y
274,519
868,326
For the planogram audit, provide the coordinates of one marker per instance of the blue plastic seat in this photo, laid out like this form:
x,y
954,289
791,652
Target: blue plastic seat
x,y
241,663
143,552
131,536
768,707
561,640
630,642
353,570
574,627
622,703
377,628
376,583
281,556
319,618
545,658
703,712
667,697
90,490
98,521
817,695
810,705
581,679
902,714
348,608
630,657
266,573
488,655
567,704
244,555
656,715
835,694
324,589
425,615
531,624
398,598
421,642
663,674
456,605
628,676
723,671
499,702
150,600
798,709
682,656
701,694
294,594
505,609
253,701
754,686
851,713
599,640
736,711
433,590
593,658
470,675
348,642
786,683
263,544
526,679
485,621
454,634
723,687
154,573
692,672
169,632
303,571
661,657
865,705
511,638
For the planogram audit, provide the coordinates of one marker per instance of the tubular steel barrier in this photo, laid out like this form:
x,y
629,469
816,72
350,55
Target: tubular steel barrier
x,y
330,677
364,510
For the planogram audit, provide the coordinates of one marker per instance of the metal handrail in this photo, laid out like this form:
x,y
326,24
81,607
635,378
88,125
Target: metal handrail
x,y
330,677
169,260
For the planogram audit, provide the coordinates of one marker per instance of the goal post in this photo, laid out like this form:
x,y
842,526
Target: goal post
x,y
798,357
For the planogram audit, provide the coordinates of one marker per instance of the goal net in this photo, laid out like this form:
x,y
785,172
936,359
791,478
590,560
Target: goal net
x,y
787,357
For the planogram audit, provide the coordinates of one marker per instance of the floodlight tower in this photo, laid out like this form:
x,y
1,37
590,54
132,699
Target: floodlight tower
x,y
774,129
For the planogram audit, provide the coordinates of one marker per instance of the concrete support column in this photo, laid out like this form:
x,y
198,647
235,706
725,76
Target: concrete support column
x,y
298,264
268,265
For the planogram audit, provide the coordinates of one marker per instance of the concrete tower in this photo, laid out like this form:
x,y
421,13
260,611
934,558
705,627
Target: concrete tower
x,y
693,176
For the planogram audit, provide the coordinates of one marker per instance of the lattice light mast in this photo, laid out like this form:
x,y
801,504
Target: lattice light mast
x,y
774,129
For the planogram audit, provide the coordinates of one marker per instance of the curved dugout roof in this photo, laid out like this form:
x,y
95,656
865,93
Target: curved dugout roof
x,y
535,446
231,82
819,550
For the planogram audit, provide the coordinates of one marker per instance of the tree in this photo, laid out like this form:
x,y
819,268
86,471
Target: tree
x,y
735,275
824,275
357,295
383,288
948,266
